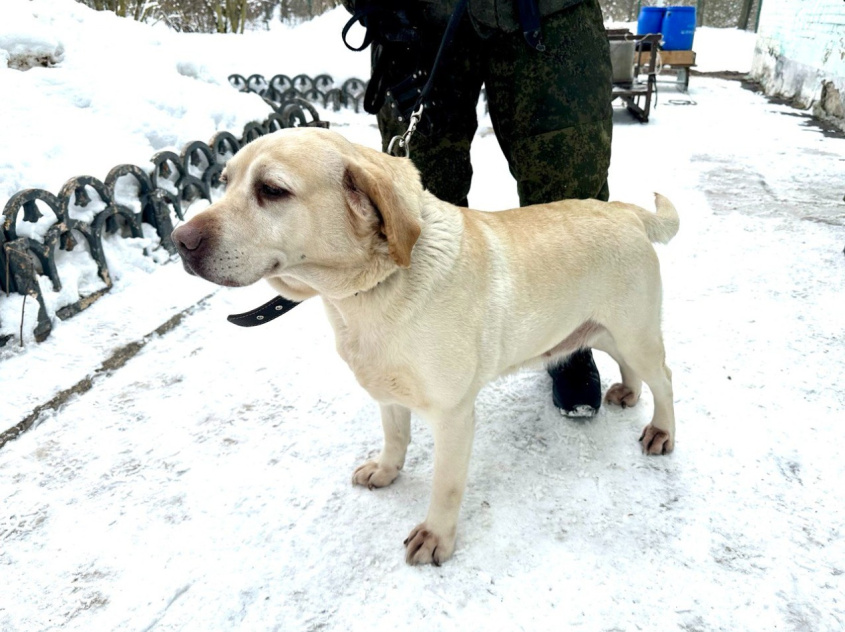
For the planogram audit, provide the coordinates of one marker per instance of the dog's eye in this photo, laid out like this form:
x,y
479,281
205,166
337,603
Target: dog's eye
x,y
269,191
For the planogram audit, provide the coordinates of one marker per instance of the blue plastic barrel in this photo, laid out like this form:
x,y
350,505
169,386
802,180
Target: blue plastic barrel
x,y
650,20
678,28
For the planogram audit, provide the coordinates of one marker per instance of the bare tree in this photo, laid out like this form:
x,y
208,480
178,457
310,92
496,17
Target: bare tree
x,y
214,16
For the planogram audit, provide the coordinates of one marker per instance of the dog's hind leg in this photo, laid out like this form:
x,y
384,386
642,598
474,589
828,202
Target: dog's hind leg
x,y
382,471
627,392
641,358
659,436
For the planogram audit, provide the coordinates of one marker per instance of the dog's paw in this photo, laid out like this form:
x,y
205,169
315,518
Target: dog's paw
x,y
424,546
621,395
373,475
656,441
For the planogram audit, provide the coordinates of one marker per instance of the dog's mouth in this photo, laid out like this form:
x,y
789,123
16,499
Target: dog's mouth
x,y
187,266
198,269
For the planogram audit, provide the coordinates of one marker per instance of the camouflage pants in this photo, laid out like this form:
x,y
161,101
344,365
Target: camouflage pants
x,y
551,110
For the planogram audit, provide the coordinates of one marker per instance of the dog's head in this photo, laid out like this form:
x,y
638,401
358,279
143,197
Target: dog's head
x,y
311,212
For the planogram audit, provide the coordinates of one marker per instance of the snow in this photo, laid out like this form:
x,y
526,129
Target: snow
x,y
723,49
205,485
27,41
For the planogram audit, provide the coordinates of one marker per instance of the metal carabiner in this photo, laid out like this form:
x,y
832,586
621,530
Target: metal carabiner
x,y
398,148
403,143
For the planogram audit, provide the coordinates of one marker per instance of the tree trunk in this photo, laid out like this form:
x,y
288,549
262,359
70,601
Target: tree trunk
x,y
744,14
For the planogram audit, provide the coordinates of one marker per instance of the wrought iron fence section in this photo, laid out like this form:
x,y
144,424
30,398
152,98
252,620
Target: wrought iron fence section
x,y
129,197
321,90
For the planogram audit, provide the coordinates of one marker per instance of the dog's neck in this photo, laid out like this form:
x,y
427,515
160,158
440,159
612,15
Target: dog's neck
x,y
397,290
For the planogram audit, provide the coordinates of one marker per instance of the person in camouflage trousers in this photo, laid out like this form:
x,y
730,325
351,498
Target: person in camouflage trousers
x,y
550,108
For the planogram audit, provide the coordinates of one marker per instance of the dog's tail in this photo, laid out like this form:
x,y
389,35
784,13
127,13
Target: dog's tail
x,y
663,225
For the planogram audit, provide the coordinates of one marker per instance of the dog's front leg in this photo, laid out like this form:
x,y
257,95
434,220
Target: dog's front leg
x,y
381,472
433,541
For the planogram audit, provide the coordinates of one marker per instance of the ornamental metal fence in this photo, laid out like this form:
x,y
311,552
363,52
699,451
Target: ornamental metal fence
x,y
37,224
321,89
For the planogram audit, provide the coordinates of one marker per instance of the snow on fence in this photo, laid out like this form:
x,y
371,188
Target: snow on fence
x,y
37,226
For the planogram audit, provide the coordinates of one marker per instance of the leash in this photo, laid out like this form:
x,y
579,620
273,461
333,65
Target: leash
x,y
529,19
400,145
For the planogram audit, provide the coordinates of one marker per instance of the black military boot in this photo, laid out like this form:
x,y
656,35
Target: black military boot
x,y
576,386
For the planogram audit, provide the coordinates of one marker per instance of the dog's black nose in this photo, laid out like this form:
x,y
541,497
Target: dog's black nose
x,y
187,237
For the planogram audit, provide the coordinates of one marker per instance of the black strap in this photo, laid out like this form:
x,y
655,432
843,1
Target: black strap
x,y
263,314
387,26
448,36
361,16
529,20
383,23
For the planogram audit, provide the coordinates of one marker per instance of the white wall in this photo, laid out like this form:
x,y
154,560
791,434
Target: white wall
x,y
800,53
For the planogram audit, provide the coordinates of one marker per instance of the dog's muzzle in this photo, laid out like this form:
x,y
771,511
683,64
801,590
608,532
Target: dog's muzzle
x,y
192,245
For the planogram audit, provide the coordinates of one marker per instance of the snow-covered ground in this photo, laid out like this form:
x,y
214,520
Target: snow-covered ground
x,y
205,485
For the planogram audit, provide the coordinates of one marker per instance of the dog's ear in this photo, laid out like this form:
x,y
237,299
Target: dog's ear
x,y
391,190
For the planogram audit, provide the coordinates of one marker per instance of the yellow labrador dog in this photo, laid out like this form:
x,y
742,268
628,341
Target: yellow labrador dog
x,y
428,301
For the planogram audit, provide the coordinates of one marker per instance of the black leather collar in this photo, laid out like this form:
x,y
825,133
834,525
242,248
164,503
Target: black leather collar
x,y
264,314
